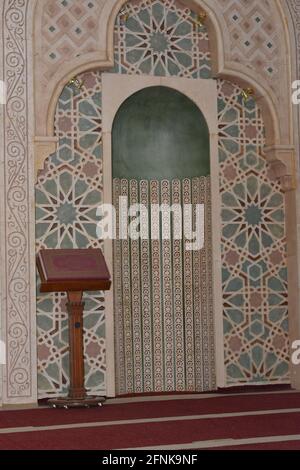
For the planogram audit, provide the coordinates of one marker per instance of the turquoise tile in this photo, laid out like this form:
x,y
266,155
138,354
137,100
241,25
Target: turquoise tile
x,y
101,331
271,360
225,275
236,316
231,146
230,230
276,230
265,191
277,314
240,191
281,370
252,185
254,246
44,322
235,285
66,181
257,328
285,324
205,72
65,153
51,187
266,240
232,131
144,16
86,125
184,44
227,327
183,29
276,285
234,372
275,200
133,25
228,215
87,109
146,65
241,240
274,299
229,200
237,300
183,59
278,216
158,12
88,141
40,197
93,197
95,380
222,155
82,240
132,40
257,355
51,241
171,18
230,115
245,361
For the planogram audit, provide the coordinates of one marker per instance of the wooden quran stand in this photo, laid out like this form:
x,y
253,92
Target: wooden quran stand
x,y
73,272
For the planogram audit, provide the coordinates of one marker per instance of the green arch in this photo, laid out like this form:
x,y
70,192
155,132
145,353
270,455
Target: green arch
x,y
160,133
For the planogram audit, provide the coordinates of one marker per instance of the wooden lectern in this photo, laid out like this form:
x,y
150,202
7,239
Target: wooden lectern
x,y
74,271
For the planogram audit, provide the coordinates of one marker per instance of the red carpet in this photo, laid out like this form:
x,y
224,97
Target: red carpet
x,y
157,433
155,409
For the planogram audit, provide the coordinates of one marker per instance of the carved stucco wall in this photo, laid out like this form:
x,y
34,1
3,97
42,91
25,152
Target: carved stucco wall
x,y
292,11
252,36
17,281
17,202
160,38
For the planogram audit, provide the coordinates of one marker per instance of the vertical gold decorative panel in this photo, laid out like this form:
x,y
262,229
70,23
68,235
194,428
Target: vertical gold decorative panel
x,y
188,297
179,343
127,310
147,328
157,316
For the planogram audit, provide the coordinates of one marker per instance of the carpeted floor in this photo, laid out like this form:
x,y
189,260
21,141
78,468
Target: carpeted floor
x,y
251,421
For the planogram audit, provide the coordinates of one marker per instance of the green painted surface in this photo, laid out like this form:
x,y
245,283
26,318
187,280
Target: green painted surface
x,y
160,133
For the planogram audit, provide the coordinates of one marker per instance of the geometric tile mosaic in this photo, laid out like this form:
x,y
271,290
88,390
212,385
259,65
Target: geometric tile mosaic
x,y
70,27
255,298
254,36
68,192
162,38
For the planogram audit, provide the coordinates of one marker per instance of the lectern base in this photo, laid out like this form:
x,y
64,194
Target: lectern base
x,y
66,402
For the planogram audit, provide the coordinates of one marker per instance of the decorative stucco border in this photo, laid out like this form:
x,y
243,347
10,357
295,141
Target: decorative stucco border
x,y
17,232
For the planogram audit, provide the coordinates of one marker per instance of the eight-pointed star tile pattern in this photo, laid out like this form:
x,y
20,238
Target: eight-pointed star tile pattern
x,y
253,231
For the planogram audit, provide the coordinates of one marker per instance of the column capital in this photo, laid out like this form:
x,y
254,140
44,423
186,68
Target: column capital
x,y
282,161
43,147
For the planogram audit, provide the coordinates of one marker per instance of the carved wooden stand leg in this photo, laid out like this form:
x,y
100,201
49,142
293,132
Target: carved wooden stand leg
x,y
77,394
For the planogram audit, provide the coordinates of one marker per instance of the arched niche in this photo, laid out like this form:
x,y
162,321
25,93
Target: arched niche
x,y
160,133
161,152
201,95
279,149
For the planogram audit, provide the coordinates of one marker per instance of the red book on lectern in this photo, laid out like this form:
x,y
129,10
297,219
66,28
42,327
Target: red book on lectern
x,y
62,270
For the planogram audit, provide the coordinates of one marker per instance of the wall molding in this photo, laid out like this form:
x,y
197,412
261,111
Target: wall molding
x,y
17,201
